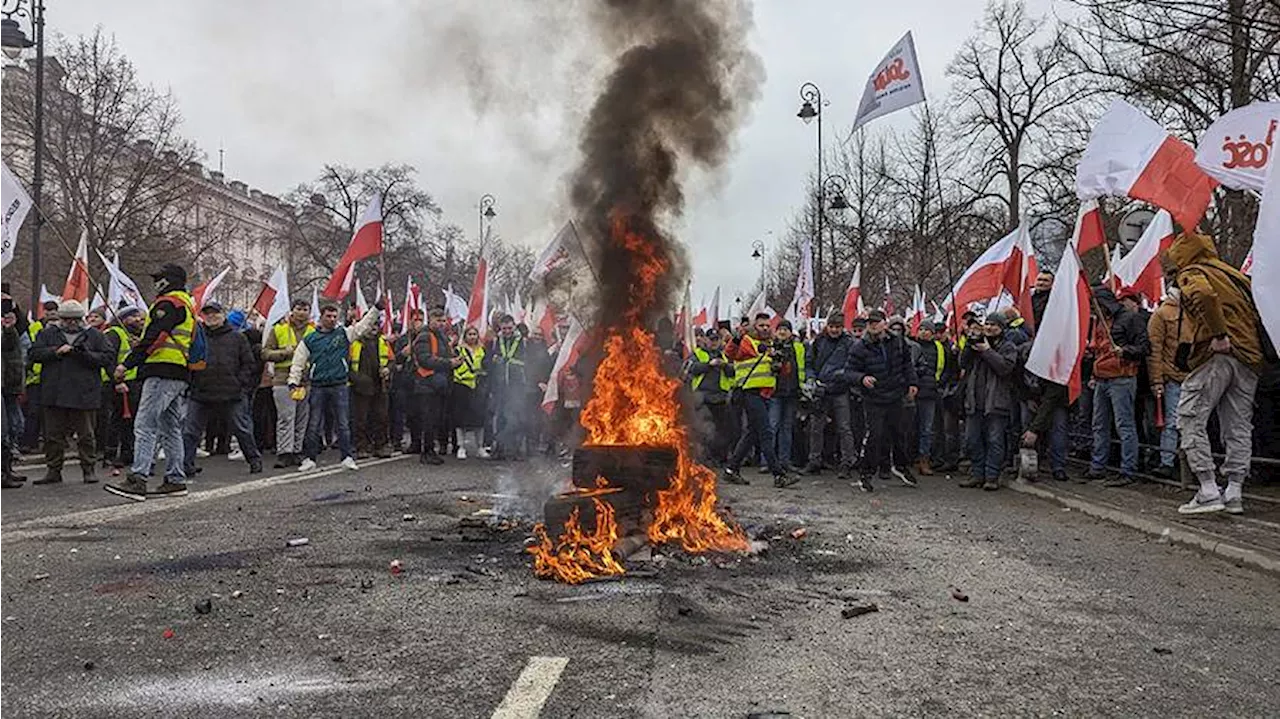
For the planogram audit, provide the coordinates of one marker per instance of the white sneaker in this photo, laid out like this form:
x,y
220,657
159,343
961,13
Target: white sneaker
x,y
308,465
1234,505
462,453
349,463
235,454
201,453
483,453
1200,505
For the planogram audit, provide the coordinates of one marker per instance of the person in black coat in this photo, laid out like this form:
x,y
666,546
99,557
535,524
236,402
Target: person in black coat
x,y
936,371
224,388
433,363
829,366
881,365
73,356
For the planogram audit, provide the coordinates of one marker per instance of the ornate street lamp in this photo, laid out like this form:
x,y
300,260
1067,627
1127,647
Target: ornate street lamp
x,y
14,41
811,108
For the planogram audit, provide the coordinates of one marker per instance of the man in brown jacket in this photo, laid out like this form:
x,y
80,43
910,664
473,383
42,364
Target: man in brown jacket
x,y
1223,360
1166,328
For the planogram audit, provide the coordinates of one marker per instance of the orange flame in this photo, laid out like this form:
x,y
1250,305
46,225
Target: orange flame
x,y
635,403
578,555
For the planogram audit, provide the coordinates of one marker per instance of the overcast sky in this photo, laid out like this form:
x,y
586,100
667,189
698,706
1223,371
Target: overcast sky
x,y
483,96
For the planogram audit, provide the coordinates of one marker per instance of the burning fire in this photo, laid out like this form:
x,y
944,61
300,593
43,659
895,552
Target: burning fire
x,y
635,403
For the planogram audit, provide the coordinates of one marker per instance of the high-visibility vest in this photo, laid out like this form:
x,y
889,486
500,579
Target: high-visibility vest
x,y
384,354
799,347
126,346
33,374
287,337
465,373
726,382
508,353
175,346
435,350
940,362
755,372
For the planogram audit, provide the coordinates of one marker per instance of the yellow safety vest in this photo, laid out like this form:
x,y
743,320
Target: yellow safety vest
x,y
384,354
126,346
33,374
465,373
726,382
286,337
799,360
173,347
508,353
756,372
941,360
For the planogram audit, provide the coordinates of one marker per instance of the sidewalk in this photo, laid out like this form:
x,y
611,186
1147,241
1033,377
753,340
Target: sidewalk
x,y
1251,539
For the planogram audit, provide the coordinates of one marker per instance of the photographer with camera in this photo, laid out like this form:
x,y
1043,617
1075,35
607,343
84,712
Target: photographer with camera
x,y
755,381
990,398
711,378
881,365
831,401
789,363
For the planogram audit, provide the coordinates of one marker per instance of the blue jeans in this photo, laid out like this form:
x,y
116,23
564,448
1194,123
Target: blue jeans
x,y
1169,435
782,420
985,437
198,417
334,405
1113,398
925,411
758,433
14,423
160,417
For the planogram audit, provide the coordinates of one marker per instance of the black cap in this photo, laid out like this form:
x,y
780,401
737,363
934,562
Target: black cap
x,y
859,321
212,306
875,316
176,275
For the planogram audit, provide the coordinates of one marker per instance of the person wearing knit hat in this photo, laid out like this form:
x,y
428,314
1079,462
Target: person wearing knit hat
x,y
990,398
72,356
120,398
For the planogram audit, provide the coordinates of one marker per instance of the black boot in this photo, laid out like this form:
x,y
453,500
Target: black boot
x,y
90,475
283,460
255,465
51,476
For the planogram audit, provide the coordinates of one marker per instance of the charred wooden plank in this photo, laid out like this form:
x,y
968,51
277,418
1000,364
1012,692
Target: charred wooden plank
x,y
645,468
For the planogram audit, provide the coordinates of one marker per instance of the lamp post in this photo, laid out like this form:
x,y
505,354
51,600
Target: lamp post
x,y
14,41
486,213
757,253
833,186
810,108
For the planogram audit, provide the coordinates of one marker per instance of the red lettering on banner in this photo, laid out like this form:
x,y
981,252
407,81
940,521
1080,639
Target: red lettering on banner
x,y
891,73
1244,153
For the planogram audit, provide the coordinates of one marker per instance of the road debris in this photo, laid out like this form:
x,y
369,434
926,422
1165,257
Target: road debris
x,y
396,568
168,633
298,542
40,577
408,518
89,665
366,585
958,595
858,610
799,533
1162,650
204,606
237,594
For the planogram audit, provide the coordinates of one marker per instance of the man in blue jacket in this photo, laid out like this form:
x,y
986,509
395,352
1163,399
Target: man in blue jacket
x,y
829,368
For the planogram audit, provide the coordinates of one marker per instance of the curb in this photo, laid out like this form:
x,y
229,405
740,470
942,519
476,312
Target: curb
x,y
1204,542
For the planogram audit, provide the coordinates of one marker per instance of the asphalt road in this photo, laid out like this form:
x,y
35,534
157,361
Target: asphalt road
x,y
1066,615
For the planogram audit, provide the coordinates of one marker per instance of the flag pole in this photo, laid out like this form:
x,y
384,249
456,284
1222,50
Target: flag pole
x,y
95,286
946,236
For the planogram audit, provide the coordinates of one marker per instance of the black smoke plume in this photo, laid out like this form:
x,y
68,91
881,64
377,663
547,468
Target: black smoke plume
x,y
682,81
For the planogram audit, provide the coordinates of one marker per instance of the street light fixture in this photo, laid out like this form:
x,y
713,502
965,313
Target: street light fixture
x,y
487,212
14,41
836,186
811,108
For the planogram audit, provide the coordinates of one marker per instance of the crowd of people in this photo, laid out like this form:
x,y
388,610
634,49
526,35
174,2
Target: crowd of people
x,y
877,397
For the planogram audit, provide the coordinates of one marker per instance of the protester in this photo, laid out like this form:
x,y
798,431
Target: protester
x,y
222,389
831,401
321,359
34,423
11,383
711,376
1119,343
990,399
291,414
881,364
72,356
468,395
1166,330
370,379
506,367
755,379
434,363
936,370
789,365
1040,296
402,379
120,399
1222,360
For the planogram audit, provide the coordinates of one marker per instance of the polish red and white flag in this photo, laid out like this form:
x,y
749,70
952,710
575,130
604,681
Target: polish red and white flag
x,y
916,317
1057,355
478,302
575,343
1007,266
852,306
887,305
273,299
365,242
77,284
204,292
1131,155
1140,269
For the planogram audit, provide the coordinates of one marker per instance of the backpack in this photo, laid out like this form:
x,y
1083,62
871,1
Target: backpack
x,y
198,355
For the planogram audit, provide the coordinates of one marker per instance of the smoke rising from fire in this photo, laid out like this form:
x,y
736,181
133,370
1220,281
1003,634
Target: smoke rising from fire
x,y
682,82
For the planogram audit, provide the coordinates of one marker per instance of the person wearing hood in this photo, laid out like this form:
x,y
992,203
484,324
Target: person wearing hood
x,y
880,364
73,356
117,430
1166,329
1119,343
1223,357
222,389
990,400
161,358
831,396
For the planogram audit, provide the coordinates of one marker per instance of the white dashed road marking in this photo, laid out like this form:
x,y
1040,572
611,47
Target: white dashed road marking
x,y
45,526
533,687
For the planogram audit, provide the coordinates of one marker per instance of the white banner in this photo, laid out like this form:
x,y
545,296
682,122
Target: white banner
x,y
894,84
1237,148
1266,255
17,203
